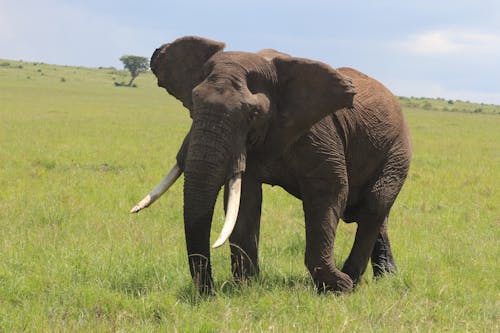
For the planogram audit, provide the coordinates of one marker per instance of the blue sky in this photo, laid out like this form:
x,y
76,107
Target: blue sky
x,y
436,48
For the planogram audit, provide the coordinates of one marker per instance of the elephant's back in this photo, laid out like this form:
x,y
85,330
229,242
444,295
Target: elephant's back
x,y
376,113
373,97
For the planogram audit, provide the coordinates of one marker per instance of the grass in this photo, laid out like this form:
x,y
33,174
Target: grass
x,y
440,104
76,154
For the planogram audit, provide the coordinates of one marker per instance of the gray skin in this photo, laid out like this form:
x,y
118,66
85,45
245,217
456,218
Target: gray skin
x,y
336,139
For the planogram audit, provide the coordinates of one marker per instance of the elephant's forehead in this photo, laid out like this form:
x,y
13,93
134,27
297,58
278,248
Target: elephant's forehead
x,y
238,60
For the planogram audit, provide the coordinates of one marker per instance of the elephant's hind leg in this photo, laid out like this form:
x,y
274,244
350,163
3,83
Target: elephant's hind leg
x,y
244,240
371,236
382,259
366,235
372,241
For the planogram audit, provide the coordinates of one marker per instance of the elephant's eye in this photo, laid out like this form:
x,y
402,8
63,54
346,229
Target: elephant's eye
x,y
253,114
212,78
237,85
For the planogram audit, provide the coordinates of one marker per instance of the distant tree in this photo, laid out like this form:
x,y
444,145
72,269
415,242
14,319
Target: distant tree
x,y
135,65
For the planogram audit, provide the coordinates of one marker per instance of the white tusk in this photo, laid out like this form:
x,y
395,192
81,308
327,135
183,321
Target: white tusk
x,y
161,188
233,205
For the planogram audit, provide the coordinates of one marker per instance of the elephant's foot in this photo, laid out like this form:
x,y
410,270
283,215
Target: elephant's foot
x,y
240,276
353,272
331,280
201,274
243,268
381,258
204,285
382,267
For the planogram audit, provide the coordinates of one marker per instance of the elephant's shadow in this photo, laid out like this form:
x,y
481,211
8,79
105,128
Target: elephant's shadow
x,y
231,289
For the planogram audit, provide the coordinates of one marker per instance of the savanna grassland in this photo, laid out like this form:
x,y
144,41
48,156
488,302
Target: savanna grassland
x,y
76,153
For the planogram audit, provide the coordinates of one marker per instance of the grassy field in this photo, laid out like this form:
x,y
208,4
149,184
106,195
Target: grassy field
x,y
76,153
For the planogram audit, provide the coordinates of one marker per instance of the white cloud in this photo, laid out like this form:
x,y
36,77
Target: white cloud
x,y
453,41
453,63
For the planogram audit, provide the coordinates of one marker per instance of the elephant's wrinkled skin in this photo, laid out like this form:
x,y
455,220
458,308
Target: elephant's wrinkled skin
x,y
336,139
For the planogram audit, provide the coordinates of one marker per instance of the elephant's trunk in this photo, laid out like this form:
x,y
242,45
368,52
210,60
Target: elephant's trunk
x,y
200,194
209,164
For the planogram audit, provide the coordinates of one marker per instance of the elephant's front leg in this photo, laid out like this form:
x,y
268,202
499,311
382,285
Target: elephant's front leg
x,y
322,216
244,240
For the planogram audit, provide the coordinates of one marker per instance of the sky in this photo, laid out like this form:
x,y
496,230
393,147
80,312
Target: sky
x,y
426,48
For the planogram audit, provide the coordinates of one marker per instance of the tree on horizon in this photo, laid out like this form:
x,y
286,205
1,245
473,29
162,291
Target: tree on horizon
x,y
135,65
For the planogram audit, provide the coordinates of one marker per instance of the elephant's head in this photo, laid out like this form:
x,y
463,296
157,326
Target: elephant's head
x,y
238,102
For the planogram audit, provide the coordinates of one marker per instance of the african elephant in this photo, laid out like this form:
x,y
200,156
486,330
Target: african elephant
x,y
336,139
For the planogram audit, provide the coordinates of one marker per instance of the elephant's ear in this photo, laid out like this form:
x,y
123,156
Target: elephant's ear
x,y
178,65
307,91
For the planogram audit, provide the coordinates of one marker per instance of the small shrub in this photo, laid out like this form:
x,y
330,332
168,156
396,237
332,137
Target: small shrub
x,y
427,106
63,79
20,66
478,110
5,64
39,70
123,84
450,101
117,72
28,77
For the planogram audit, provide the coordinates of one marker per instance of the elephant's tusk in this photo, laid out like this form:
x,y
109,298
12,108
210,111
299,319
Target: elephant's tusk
x,y
161,188
233,205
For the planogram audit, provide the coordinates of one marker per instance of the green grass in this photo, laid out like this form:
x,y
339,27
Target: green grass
x,y
440,104
76,154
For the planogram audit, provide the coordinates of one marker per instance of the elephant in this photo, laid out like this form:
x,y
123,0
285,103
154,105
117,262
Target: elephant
x,y
334,138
